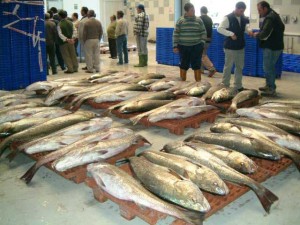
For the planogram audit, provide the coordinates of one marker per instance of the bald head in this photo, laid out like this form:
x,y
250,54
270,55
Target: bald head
x,y
91,13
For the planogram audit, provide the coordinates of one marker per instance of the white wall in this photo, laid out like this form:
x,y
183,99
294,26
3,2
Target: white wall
x,y
283,7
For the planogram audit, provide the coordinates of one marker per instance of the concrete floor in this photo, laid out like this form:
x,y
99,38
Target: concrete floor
x,y
51,200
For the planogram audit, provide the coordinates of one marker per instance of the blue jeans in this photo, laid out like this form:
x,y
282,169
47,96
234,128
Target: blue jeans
x,y
190,55
270,59
122,48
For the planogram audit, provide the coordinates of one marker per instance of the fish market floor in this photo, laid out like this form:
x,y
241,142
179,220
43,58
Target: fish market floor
x,y
51,200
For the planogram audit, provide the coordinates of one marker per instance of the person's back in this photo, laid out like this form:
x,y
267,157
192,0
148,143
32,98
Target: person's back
x,y
208,23
92,29
51,34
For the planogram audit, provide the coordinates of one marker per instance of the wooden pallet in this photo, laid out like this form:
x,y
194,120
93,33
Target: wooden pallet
x,y
130,210
177,126
224,106
78,174
103,105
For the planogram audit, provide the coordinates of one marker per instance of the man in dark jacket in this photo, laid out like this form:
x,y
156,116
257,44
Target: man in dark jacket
x,y
233,27
67,34
271,40
208,23
51,35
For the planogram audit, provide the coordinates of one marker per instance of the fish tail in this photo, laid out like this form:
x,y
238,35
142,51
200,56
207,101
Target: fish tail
x,y
193,217
266,197
135,119
296,160
232,109
27,177
3,146
188,139
12,155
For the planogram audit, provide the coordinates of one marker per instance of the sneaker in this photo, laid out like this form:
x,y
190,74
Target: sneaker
x,y
241,89
265,88
269,93
212,72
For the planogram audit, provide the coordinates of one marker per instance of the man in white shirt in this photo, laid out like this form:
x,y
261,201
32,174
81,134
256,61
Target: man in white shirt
x,y
233,27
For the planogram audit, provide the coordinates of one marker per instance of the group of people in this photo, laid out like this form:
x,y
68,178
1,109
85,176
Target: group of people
x,y
63,35
192,36
117,33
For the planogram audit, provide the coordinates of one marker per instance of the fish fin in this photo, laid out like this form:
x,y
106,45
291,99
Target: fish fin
x,y
189,144
176,174
186,175
266,197
296,160
190,138
141,138
27,177
103,152
12,155
193,217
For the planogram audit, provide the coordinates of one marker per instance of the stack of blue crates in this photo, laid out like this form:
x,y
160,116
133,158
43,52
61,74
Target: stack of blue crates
x,y
19,60
250,56
215,51
291,63
164,47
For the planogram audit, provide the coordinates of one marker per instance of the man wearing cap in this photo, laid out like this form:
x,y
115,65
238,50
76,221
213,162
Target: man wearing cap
x,y
140,30
92,33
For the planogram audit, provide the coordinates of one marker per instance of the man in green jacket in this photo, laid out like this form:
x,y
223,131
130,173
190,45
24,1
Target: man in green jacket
x,y
188,39
111,35
67,34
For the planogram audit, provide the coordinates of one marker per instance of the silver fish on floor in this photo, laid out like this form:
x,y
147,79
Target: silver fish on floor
x,y
276,134
46,128
96,152
169,185
66,136
122,186
223,95
258,136
232,158
238,142
205,178
143,105
266,197
288,125
90,140
241,97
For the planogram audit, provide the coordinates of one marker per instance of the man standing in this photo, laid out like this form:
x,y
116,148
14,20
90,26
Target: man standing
x,y
111,34
51,35
208,23
233,26
271,41
121,33
188,39
92,34
76,24
67,34
140,30
84,18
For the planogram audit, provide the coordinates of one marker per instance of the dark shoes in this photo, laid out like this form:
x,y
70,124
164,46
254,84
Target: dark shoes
x,y
212,72
263,88
68,72
269,93
89,71
84,68
119,63
241,89
114,57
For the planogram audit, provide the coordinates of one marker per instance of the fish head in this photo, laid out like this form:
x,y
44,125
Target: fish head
x,y
196,200
173,145
210,181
